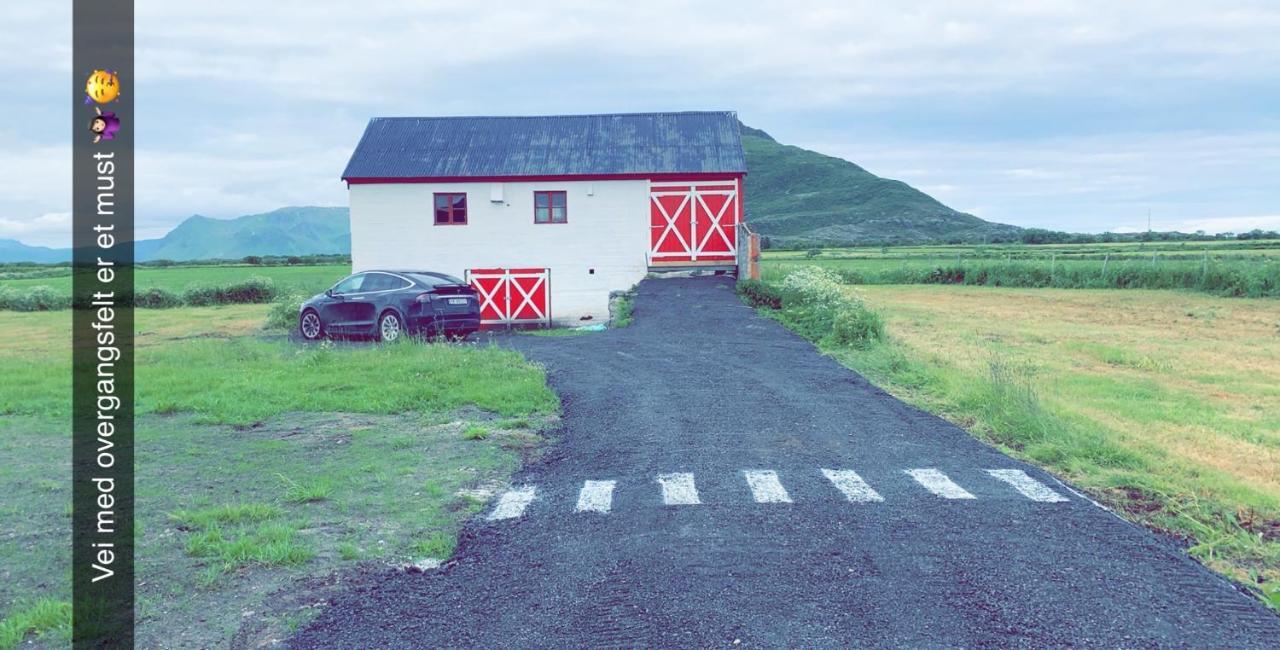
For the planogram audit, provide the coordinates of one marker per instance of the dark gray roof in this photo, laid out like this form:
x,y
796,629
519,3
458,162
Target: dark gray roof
x,y
464,147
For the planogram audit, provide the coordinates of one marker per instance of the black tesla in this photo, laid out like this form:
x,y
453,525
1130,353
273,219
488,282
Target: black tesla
x,y
390,304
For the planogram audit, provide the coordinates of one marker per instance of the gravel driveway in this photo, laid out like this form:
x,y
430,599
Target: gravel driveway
x,y
717,481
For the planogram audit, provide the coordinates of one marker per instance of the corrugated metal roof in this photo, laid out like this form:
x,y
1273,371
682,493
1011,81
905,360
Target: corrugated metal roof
x,y
631,143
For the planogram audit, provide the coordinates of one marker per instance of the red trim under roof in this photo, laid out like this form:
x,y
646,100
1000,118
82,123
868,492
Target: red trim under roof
x,y
699,176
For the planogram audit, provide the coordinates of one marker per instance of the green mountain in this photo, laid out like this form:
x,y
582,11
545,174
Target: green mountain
x,y
797,197
287,231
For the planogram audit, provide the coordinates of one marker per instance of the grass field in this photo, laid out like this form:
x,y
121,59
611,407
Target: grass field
x,y
305,279
1165,405
1245,268
1117,250
265,470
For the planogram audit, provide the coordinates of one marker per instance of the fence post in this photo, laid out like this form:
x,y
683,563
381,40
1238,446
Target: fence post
x,y
1053,267
1105,260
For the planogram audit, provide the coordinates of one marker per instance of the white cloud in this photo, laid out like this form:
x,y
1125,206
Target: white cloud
x,y
1088,183
52,229
248,105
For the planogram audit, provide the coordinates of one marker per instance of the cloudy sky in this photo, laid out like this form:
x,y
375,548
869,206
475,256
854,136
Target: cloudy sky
x,y
1066,115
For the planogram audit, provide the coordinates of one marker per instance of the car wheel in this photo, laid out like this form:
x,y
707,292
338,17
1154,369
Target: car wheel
x,y
310,326
390,327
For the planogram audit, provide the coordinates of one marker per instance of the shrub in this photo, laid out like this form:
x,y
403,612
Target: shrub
x,y
284,311
38,298
760,294
250,290
816,306
200,294
156,298
857,326
811,286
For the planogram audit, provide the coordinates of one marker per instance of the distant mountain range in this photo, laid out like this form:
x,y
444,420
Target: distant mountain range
x,y
287,231
795,197
12,250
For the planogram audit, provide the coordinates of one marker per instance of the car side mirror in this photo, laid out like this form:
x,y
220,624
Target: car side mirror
x,y
328,292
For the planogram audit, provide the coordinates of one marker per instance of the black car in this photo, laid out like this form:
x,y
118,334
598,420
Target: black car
x,y
391,304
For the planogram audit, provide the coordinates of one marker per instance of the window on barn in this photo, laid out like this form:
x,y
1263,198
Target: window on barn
x,y
549,207
451,209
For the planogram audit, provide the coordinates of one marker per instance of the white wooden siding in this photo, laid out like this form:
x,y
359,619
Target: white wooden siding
x,y
392,226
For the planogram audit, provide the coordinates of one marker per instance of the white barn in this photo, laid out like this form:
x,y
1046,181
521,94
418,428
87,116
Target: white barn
x,y
546,216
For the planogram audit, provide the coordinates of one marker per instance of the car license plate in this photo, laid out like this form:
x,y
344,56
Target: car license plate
x,y
457,301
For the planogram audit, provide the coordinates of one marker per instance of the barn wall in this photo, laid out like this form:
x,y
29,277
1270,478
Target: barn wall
x,y
608,231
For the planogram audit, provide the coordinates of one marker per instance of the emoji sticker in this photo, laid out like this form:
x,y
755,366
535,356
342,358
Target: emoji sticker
x,y
102,87
104,125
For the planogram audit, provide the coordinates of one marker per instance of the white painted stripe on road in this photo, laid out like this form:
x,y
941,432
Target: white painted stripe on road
x,y
854,488
765,486
1029,487
678,490
513,502
938,483
596,496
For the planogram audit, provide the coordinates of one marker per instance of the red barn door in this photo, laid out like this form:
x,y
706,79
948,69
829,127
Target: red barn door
x,y
512,296
694,221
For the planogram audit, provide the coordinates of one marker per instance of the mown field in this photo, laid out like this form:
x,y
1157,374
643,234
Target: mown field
x,y
1230,268
266,470
307,279
1162,404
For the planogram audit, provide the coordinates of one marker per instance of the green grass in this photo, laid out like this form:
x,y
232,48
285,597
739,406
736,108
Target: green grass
x,y
1238,275
349,551
475,432
235,514
308,490
263,466
45,617
436,545
303,279
233,536
242,379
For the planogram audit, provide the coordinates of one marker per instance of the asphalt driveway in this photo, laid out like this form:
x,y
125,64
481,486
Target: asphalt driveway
x,y
717,482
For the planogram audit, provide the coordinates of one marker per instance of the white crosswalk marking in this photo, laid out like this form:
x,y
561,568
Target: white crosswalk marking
x,y
1029,487
513,502
765,486
938,483
596,496
678,490
854,488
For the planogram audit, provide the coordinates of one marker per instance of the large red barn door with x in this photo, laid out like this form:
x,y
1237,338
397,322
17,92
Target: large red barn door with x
x,y
512,296
694,221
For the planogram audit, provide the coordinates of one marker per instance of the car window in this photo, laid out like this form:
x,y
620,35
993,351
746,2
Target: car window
x,y
376,282
350,285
